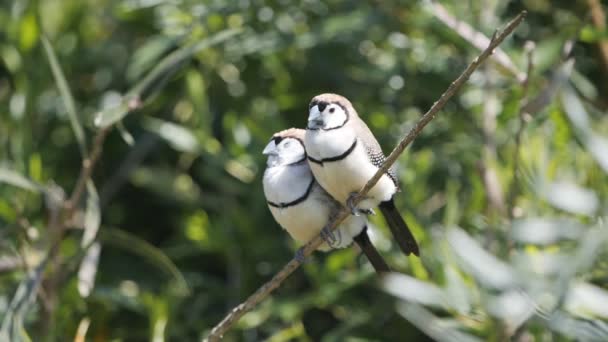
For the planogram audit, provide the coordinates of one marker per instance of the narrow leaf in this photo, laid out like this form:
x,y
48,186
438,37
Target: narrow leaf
x,y
125,134
431,325
579,329
483,266
16,179
156,78
179,137
414,290
88,270
544,231
157,257
570,197
587,300
92,216
512,307
66,95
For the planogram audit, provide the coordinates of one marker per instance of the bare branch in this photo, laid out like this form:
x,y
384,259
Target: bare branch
x,y
265,290
88,164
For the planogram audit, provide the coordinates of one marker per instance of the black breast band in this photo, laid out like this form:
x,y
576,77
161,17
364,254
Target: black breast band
x,y
336,158
299,200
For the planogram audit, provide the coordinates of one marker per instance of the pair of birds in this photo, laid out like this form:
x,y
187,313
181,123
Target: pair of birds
x,y
311,173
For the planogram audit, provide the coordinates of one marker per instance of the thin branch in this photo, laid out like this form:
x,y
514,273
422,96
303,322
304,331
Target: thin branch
x,y
88,164
265,290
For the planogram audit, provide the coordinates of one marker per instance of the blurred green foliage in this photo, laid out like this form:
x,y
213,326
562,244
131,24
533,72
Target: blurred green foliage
x,y
510,209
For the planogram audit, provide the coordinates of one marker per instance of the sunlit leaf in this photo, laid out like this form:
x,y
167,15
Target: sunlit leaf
x,y
16,179
179,137
481,264
593,241
571,197
431,325
414,290
575,110
66,95
456,291
579,329
539,262
587,300
88,270
512,307
125,134
598,147
92,216
543,231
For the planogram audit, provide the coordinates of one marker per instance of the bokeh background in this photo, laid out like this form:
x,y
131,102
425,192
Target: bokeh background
x,y
506,190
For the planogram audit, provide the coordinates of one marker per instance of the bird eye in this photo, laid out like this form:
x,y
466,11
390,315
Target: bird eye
x,y
286,144
332,110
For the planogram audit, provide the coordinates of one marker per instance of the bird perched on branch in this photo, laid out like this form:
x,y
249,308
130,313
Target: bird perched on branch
x,y
301,206
344,154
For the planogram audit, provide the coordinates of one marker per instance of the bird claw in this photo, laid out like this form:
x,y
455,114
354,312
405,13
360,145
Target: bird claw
x,y
354,209
328,236
299,256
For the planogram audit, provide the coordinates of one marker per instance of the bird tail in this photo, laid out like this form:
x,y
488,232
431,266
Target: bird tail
x,y
399,228
363,241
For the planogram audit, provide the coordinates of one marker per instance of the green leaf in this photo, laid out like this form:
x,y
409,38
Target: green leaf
x,y
125,134
66,95
154,255
18,180
156,78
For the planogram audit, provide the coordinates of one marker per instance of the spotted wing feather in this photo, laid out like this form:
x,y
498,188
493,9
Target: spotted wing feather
x,y
374,151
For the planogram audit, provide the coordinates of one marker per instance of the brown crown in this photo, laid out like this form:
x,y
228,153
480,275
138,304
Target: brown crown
x,y
291,133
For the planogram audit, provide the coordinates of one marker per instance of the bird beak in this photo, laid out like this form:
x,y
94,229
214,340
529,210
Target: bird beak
x,y
270,149
314,118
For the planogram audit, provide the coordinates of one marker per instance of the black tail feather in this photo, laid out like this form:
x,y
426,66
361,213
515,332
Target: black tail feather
x,y
399,228
363,241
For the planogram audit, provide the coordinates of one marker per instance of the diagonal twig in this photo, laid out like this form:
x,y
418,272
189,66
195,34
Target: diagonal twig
x,y
265,290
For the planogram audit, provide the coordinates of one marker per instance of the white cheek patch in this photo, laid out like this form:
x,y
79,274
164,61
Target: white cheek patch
x,y
335,119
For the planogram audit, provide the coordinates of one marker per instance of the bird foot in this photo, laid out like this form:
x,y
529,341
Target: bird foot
x,y
328,236
356,210
299,256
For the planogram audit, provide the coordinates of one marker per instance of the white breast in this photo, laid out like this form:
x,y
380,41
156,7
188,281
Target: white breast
x,y
305,220
343,177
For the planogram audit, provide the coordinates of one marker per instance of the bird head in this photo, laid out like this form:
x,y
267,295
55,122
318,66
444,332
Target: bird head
x,y
329,111
286,147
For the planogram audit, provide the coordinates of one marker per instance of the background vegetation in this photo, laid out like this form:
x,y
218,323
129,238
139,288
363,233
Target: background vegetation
x,y
506,190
